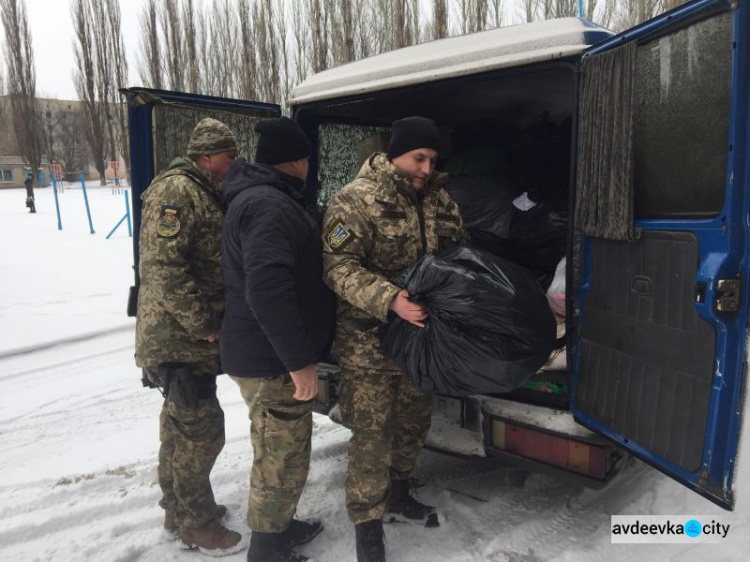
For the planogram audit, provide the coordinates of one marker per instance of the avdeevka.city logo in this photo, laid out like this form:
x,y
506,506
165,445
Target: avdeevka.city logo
x,y
668,529
693,528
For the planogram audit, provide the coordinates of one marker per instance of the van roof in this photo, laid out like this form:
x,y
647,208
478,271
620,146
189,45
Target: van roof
x,y
505,47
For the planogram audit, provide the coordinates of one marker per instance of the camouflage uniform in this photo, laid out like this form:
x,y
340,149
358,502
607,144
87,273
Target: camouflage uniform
x,y
374,228
280,433
180,303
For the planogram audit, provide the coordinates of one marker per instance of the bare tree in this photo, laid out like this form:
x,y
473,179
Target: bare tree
x,y
415,23
342,31
284,55
473,15
272,53
202,31
248,67
317,17
101,68
223,41
398,24
565,8
117,79
439,19
188,25
86,84
171,28
633,12
301,43
530,9
496,12
149,58
21,82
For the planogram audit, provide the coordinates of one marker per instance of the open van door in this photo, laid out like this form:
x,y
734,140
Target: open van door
x,y
659,315
159,125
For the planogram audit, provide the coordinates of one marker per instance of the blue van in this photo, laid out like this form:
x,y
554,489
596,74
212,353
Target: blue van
x,y
651,165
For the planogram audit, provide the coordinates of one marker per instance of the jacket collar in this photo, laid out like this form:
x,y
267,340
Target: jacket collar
x,y
292,186
389,180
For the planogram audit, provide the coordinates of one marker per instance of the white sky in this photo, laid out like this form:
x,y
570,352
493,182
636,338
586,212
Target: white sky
x,y
52,36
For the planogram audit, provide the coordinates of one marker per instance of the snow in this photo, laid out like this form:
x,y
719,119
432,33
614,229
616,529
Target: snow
x,y
79,437
505,47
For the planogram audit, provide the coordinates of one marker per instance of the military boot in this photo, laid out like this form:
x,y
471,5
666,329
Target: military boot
x,y
170,521
404,508
301,532
370,541
212,539
272,547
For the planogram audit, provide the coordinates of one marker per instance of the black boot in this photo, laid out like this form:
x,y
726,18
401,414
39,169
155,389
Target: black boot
x,y
370,541
271,547
301,532
404,508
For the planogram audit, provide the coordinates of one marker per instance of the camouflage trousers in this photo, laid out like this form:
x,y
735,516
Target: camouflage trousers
x,y
389,419
280,432
191,432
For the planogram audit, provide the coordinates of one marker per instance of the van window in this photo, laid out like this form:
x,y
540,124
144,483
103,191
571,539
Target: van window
x,y
341,150
681,120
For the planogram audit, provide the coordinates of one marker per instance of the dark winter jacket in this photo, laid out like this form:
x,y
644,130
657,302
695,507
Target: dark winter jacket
x,y
279,313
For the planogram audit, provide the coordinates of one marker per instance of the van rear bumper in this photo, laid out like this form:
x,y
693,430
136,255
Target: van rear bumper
x,y
536,436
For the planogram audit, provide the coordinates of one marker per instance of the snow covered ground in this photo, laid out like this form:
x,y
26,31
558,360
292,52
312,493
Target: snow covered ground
x,y
79,437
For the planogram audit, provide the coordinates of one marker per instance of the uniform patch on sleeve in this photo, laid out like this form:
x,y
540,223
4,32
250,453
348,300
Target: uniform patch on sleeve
x,y
339,236
169,221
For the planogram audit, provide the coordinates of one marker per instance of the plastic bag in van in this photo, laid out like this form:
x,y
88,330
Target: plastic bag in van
x,y
489,327
486,205
556,291
538,236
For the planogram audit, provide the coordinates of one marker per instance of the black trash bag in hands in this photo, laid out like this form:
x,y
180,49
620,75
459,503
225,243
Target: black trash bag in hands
x,y
489,328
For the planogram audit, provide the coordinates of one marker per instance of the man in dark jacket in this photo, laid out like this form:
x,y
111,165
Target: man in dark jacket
x,y
278,322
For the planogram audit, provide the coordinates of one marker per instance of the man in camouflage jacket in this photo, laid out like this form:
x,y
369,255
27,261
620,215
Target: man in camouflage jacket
x,y
392,214
180,307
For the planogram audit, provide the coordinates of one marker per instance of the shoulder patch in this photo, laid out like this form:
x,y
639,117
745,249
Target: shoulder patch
x,y
169,221
338,236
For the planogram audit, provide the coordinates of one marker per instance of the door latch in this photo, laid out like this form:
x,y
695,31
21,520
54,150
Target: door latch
x,y
728,295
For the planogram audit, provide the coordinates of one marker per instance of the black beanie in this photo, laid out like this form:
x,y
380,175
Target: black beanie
x,y
411,133
281,140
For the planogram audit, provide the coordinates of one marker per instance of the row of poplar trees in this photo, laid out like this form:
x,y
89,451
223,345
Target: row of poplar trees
x,y
248,49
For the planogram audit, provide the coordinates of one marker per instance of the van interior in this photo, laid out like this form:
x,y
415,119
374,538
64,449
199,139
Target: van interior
x,y
507,138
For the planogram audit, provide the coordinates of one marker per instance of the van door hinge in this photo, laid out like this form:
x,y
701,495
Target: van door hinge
x,y
728,295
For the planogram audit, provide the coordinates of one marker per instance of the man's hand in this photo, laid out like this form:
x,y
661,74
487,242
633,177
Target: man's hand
x,y
214,337
409,311
306,382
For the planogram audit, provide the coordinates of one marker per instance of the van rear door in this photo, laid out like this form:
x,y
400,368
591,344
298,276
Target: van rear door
x,y
659,320
160,123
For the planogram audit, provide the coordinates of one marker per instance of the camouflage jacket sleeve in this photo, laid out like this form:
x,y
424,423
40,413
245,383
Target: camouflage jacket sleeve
x,y
463,235
168,224
347,242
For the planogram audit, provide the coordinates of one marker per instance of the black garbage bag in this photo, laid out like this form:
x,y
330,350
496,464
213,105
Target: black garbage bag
x,y
538,238
486,205
490,327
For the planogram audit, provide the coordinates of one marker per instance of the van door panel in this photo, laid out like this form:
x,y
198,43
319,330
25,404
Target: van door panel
x,y
646,355
658,367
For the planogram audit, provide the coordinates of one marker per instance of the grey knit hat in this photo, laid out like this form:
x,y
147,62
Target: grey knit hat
x,y
210,137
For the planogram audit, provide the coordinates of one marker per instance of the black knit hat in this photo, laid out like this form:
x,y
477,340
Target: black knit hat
x,y
281,140
411,133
